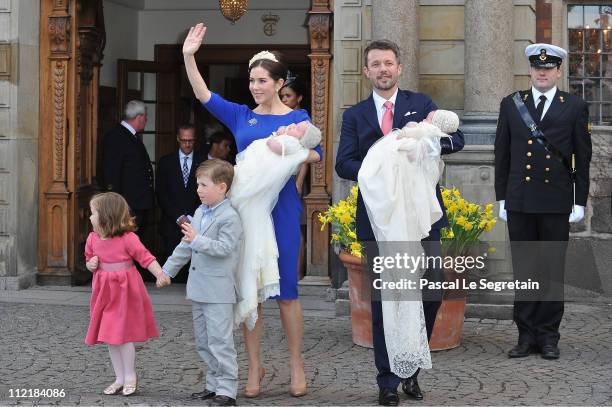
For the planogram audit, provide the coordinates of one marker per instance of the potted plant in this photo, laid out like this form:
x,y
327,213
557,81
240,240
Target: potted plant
x,y
467,221
344,237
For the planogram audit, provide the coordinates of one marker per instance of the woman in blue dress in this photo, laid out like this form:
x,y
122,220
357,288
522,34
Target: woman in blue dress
x,y
266,77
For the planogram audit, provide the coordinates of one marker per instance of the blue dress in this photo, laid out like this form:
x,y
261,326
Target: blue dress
x,y
248,126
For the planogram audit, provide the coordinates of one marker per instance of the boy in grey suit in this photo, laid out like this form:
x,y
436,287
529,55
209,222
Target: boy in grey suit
x,y
211,241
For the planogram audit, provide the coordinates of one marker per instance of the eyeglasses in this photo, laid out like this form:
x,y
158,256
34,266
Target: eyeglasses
x,y
190,141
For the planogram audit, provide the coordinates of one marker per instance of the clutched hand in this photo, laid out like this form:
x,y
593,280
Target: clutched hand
x,y
92,264
189,232
162,281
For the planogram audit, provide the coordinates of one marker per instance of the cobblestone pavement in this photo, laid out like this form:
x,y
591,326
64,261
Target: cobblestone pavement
x,y
42,348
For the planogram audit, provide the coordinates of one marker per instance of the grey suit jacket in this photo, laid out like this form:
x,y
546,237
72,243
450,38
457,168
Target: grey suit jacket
x,y
214,255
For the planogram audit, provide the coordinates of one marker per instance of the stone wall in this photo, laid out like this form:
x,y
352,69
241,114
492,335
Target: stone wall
x,y
597,222
18,141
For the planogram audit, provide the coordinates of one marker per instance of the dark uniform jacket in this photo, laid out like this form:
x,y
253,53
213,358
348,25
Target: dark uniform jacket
x,y
531,179
174,198
360,129
127,168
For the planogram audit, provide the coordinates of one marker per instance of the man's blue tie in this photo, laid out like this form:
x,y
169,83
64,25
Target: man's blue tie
x,y
185,172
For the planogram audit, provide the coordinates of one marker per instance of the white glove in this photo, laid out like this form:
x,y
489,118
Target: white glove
x,y
577,214
502,210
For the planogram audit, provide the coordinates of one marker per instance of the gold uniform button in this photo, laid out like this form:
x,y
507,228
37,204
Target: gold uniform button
x,y
530,142
528,166
529,154
547,169
548,156
527,179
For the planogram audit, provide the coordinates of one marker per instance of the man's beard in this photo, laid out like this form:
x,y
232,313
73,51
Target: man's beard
x,y
378,84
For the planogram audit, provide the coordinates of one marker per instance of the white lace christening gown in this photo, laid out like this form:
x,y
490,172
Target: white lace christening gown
x,y
398,181
259,176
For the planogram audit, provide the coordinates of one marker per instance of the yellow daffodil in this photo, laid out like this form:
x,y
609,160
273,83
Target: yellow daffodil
x,y
461,220
356,249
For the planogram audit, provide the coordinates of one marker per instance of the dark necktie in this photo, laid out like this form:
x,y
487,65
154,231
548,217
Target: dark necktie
x,y
185,172
540,108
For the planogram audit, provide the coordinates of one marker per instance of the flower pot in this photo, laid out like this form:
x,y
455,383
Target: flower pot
x,y
360,299
449,320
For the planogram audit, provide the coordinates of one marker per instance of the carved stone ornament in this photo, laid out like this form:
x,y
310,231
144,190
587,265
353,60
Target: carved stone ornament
x,y
270,20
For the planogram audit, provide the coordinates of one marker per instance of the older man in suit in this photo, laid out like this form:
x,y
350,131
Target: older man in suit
x,y
126,164
389,107
175,186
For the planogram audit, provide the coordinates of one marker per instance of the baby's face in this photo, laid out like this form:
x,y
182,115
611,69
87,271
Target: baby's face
x,y
296,130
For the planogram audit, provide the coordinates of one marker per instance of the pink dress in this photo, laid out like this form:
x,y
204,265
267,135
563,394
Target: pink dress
x,y
120,307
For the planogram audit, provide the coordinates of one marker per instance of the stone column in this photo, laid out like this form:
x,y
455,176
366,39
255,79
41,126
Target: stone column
x,y
398,21
489,66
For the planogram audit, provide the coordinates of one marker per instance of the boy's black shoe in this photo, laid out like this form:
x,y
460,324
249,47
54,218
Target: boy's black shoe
x,y
203,395
222,401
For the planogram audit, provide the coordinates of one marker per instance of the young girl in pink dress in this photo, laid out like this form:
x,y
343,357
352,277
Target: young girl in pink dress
x,y
121,311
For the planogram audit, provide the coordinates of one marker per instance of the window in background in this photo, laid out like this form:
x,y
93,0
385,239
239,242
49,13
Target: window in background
x,y
590,58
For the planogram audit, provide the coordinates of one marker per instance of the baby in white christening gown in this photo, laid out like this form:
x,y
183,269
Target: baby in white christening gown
x,y
397,181
261,172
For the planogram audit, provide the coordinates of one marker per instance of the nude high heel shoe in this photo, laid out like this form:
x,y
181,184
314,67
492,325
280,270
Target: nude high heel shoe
x,y
254,392
299,391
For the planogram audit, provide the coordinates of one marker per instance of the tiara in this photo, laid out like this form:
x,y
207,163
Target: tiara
x,y
263,55
291,77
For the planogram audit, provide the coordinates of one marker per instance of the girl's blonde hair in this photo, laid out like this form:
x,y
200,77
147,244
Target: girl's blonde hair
x,y
114,217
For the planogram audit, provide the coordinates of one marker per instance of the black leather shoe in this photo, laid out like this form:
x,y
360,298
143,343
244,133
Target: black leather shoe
x,y
411,388
550,352
521,350
203,395
222,401
388,397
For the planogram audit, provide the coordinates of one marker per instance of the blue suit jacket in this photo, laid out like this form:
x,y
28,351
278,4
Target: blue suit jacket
x,y
360,129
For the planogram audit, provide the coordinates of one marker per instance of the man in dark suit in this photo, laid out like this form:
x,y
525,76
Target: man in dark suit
x,y
362,125
533,182
126,164
176,188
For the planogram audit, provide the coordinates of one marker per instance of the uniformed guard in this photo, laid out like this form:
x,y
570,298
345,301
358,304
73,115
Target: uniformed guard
x,y
542,157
